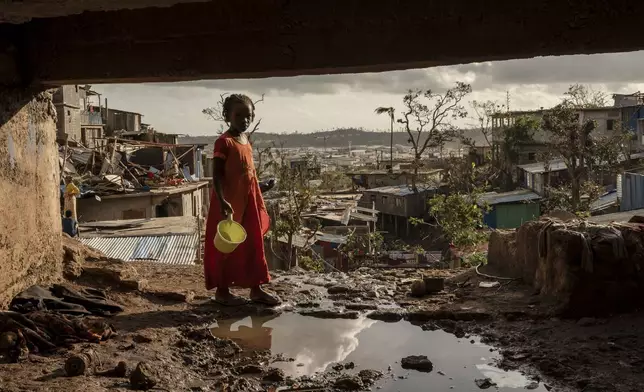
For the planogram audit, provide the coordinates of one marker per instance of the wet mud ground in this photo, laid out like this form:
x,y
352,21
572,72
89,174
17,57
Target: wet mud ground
x,y
349,332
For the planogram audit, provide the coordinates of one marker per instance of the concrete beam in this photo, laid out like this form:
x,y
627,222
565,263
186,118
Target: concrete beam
x,y
253,38
26,10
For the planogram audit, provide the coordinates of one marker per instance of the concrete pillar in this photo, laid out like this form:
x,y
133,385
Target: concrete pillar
x,y
30,219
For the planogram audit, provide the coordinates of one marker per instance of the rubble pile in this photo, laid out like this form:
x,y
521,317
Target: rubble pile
x,y
121,166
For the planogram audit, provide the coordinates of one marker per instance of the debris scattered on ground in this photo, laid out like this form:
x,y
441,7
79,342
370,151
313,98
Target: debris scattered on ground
x,y
331,314
250,369
484,383
119,371
434,285
358,306
143,377
392,315
81,364
418,288
274,375
349,383
489,285
417,362
173,337
369,376
339,289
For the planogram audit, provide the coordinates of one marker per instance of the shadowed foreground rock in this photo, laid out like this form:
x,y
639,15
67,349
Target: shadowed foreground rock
x,y
589,269
417,362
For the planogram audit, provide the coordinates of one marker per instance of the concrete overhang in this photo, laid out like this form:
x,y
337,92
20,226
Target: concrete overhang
x,y
263,38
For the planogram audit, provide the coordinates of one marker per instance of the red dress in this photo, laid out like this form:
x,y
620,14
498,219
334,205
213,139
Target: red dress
x,y
245,267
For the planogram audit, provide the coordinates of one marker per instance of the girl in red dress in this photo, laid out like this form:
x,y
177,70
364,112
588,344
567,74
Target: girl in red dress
x,y
236,191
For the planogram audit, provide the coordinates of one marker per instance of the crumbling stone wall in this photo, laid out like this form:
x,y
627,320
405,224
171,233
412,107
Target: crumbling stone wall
x,y
30,223
590,269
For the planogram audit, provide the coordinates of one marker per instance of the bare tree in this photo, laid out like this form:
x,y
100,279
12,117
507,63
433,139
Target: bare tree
x,y
580,149
390,111
484,112
298,197
579,96
428,118
215,113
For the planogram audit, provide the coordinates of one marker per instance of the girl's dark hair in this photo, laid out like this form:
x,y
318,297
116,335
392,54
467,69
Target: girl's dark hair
x,y
234,99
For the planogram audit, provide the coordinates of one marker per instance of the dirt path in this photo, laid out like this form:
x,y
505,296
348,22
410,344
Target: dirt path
x,y
166,325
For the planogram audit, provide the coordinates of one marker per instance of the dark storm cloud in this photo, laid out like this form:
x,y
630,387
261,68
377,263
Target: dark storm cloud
x,y
603,68
615,69
393,82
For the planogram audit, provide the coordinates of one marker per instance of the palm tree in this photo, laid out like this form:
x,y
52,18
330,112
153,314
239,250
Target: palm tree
x,y
389,111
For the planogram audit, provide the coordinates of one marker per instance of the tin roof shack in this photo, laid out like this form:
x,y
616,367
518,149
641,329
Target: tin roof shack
x,y
382,178
183,200
396,205
172,240
539,176
510,210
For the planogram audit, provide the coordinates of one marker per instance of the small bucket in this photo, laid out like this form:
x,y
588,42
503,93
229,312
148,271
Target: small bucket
x,y
229,235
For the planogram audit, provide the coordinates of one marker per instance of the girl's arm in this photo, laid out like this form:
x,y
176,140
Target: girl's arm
x,y
217,175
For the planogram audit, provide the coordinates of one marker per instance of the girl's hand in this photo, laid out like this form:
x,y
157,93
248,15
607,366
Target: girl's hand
x,y
226,208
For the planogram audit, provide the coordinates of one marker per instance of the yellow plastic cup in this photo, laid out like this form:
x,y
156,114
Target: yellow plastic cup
x,y
229,235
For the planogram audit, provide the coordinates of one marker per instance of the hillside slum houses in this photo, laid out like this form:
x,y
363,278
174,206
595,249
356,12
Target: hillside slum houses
x,y
532,174
143,195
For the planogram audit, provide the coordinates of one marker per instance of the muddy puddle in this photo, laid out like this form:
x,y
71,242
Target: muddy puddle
x,y
312,346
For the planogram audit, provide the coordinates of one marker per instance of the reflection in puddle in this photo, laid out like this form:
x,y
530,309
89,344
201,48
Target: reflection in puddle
x,y
315,344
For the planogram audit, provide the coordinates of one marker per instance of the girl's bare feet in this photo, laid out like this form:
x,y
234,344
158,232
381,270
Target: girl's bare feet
x,y
258,295
223,296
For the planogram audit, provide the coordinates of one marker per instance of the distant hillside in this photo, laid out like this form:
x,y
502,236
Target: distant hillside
x,y
335,138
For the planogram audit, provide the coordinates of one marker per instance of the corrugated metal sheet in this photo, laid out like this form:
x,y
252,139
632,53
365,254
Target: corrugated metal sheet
x,y
331,238
520,196
540,167
606,201
399,190
616,217
176,249
632,187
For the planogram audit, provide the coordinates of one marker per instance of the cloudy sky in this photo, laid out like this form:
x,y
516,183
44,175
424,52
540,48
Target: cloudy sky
x,y
311,103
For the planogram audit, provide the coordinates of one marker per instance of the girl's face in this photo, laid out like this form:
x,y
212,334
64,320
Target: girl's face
x,y
241,116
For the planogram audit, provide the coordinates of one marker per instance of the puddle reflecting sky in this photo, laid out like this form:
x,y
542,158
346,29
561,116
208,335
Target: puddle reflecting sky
x,y
315,344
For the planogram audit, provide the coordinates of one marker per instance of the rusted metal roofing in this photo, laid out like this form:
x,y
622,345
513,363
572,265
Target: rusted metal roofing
x,y
175,249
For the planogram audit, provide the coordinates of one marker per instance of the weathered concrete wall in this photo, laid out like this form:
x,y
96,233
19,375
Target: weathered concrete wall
x,y
139,207
589,269
30,222
91,210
